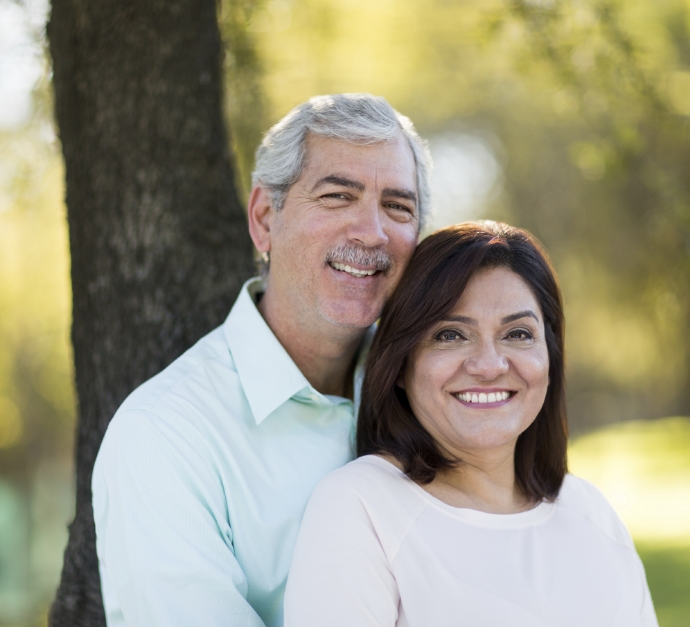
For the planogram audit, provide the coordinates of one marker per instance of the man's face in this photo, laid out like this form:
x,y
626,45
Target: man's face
x,y
346,231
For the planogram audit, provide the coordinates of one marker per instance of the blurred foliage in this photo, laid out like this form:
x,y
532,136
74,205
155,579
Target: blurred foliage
x,y
643,468
585,105
245,107
36,395
36,387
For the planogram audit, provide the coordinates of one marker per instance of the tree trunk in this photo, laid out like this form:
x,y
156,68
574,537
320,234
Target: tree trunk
x,y
158,238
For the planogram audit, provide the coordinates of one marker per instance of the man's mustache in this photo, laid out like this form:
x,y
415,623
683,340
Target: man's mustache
x,y
359,255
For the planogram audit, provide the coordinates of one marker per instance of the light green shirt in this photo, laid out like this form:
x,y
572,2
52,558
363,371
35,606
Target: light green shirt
x,y
204,474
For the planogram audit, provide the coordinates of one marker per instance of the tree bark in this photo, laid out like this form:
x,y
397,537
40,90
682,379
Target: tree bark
x,y
158,238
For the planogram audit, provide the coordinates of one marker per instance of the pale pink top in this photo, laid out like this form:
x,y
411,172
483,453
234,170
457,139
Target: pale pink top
x,y
375,549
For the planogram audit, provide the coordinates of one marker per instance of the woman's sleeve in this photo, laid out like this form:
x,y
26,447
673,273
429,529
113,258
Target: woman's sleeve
x,y
586,499
340,575
647,613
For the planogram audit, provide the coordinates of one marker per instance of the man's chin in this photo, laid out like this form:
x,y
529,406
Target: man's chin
x,y
352,315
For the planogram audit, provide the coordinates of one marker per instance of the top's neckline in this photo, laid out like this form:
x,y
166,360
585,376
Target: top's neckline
x,y
472,516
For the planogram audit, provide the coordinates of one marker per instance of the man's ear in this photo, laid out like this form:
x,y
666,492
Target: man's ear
x,y
260,216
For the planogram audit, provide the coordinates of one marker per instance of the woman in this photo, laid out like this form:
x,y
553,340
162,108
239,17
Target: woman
x,y
459,510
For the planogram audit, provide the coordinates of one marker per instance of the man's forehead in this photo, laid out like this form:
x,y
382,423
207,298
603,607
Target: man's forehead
x,y
332,158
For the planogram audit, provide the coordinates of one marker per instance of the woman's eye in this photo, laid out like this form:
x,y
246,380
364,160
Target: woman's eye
x,y
520,334
448,336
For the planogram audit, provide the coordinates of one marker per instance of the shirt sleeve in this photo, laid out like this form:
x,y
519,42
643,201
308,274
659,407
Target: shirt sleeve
x,y
163,538
340,575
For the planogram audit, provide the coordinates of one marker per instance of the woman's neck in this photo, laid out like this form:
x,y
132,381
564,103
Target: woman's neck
x,y
485,482
478,491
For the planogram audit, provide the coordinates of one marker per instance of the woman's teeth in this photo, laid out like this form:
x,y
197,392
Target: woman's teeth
x,y
481,397
352,271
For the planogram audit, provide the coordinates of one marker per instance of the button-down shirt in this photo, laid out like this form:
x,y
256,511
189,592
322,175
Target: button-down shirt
x,y
203,477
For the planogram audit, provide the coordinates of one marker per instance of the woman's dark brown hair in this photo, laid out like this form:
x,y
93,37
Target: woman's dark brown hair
x,y
438,274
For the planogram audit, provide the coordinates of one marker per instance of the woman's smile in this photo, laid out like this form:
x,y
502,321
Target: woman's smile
x,y
484,398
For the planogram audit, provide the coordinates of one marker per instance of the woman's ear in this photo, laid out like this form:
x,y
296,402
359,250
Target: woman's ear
x,y
260,216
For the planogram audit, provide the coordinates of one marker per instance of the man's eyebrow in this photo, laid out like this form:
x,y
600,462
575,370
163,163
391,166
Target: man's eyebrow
x,y
528,313
333,179
394,192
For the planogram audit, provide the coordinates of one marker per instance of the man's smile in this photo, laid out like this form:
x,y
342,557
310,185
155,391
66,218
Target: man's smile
x,y
355,272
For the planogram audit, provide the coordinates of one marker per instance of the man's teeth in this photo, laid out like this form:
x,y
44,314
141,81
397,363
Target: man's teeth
x,y
352,271
491,397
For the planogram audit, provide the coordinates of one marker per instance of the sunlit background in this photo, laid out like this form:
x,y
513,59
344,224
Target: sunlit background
x,y
571,119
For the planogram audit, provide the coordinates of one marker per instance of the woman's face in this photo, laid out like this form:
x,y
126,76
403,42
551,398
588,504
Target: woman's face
x,y
478,379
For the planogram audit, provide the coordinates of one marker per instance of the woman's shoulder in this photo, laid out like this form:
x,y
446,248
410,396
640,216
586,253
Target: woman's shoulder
x,y
372,489
368,477
585,500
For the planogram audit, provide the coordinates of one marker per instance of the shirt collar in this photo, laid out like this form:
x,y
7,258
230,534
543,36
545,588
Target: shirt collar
x,y
268,375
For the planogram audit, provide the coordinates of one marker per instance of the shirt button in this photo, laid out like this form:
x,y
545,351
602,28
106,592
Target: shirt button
x,y
314,396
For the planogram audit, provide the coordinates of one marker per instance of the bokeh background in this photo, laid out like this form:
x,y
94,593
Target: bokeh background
x,y
571,119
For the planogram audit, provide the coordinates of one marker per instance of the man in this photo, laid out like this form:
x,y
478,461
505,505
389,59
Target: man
x,y
205,470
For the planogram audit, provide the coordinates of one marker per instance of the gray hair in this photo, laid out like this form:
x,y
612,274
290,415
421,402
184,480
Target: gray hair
x,y
355,118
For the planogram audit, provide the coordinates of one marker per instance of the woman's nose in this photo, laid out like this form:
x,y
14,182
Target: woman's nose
x,y
486,362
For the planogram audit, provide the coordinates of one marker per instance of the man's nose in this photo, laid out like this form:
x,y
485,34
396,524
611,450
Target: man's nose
x,y
367,224
486,362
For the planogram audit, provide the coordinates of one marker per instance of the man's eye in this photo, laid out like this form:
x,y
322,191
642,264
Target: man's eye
x,y
398,207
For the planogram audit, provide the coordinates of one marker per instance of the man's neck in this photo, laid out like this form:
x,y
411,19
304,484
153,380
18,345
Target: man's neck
x,y
325,353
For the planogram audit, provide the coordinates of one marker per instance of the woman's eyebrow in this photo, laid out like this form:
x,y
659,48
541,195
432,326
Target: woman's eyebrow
x,y
464,319
528,313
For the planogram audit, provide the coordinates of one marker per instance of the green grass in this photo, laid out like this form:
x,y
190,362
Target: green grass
x,y
668,576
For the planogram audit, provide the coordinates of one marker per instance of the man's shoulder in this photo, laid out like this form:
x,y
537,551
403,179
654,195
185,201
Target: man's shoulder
x,y
208,356
184,406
